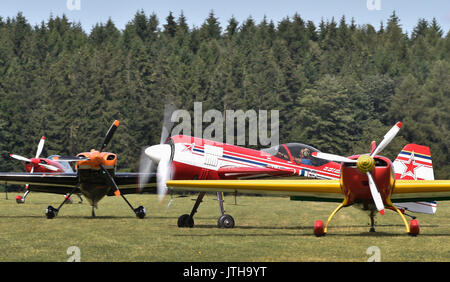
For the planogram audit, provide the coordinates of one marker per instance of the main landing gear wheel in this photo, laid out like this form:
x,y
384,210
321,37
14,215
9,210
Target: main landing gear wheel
x,y
185,221
414,227
51,212
225,221
318,228
140,212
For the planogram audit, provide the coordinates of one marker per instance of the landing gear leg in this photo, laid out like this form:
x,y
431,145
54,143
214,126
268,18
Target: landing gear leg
x,y
139,211
81,199
413,227
331,216
51,212
187,220
225,220
319,229
25,195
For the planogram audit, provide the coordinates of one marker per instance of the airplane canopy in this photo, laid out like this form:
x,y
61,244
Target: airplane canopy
x,y
65,164
295,152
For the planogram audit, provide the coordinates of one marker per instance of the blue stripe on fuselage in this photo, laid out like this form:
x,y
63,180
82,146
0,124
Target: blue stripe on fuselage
x,y
235,158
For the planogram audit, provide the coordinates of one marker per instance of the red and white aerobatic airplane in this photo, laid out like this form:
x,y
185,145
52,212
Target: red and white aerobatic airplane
x,y
190,158
368,181
41,165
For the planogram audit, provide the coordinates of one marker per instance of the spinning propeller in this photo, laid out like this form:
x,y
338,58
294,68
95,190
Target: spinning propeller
x,y
159,155
35,161
366,163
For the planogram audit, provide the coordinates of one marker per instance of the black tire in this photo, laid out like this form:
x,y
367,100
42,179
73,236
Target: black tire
x,y
51,212
140,212
185,221
225,221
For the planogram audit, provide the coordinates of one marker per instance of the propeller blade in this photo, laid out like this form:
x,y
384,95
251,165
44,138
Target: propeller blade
x,y
387,138
332,157
145,169
373,146
112,184
163,174
50,167
20,158
109,135
40,147
375,194
154,155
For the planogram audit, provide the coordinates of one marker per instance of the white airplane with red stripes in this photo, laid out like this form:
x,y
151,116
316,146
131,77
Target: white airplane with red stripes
x,y
184,157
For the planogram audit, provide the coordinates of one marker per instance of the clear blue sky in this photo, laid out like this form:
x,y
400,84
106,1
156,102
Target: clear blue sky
x,y
196,11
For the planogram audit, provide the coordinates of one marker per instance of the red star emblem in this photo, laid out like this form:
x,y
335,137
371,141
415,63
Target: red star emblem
x,y
189,147
410,167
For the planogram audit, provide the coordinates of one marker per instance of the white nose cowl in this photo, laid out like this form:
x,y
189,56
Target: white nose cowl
x,y
158,152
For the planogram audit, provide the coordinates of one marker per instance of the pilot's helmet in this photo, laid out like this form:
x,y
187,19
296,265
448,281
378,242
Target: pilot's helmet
x,y
306,152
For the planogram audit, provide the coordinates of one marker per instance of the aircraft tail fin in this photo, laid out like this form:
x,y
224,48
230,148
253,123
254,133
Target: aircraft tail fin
x,y
414,163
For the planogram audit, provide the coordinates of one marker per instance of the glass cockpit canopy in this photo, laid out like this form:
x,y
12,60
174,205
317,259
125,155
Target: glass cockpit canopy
x,y
66,165
295,152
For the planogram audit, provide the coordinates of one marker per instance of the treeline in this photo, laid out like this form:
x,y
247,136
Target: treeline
x,y
337,85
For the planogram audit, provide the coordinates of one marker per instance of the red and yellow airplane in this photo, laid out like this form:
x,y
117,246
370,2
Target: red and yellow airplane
x,y
95,177
367,180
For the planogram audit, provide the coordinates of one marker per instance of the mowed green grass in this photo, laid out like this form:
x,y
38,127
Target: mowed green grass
x,y
267,229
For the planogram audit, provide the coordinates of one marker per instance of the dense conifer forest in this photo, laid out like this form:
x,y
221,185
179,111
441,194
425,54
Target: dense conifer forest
x,y
337,84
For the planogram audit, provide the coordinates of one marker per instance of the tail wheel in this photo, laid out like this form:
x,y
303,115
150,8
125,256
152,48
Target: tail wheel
x,y
414,227
318,228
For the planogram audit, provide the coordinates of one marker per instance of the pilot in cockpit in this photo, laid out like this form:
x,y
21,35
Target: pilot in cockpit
x,y
304,157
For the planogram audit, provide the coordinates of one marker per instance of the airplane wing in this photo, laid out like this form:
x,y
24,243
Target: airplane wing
x,y
251,172
314,190
57,183
63,183
128,182
421,190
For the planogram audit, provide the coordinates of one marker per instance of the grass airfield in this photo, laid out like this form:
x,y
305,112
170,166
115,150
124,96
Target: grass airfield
x,y
268,229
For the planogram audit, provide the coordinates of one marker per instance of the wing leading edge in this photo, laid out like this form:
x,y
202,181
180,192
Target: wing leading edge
x,y
63,183
310,189
325,190
421,190
57,183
